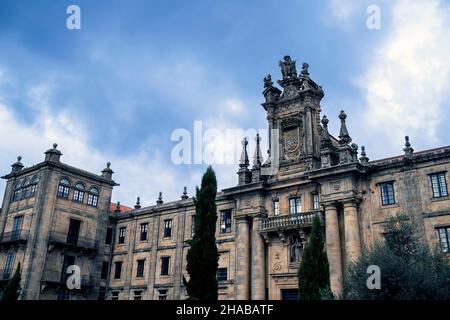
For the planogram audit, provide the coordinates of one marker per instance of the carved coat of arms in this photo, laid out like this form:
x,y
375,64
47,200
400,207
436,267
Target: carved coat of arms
x,y
291,137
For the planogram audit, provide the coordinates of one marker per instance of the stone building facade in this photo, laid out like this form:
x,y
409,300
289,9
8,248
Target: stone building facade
x,y
263,222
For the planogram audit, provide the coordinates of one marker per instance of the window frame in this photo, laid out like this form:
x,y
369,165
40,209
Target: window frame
x,y
78,192
63,190
118,271
140,268
315,201
297,204
122,235
93,195
226,222
276,207
143,225
33,185
385,198
168,226
220,271
446,240
440,184
17,192
166,268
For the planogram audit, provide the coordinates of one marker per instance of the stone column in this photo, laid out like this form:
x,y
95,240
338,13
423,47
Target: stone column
x,y
352,237
258,273
333,246
242,259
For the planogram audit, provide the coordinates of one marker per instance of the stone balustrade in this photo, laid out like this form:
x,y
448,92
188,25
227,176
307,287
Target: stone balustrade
x,y
289,221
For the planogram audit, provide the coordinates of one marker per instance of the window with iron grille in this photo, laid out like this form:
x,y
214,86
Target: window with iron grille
x,y
140,268
295,205
387,193
122,234
144,231
225,221
439,185
276,207
118,270
167,228
444,238
222,274
165,266
63,188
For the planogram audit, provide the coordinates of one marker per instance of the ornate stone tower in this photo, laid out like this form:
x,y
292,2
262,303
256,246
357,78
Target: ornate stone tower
x,y
293,115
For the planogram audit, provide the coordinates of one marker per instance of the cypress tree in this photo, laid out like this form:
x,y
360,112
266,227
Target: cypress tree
x,y
11,291
314,273
202,256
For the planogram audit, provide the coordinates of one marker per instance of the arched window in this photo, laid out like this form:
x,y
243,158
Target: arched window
x,y
93,197
16,192
33,187
78,193
25,188
63,188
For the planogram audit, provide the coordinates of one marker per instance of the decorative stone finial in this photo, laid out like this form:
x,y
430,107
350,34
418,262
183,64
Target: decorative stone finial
x,y
408,150
117,210
138,203
305,72
53,154
257,158
244,162
363,159
184,196
343,133
325,138
107,172
55,145
160,199
268,81
17,166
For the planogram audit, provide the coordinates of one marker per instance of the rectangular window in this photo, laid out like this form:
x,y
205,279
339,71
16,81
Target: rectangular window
x,y
63,191
316,201
122,234
167,228
387,193
162,294
115,295
108,239
104,274
16,195
74,231
140,268
144,231
137,295
9,265
439,185
444,238
225,221
118,270
17,226
165,266
25,192
92,200
222,274
295,205
276,207
33,190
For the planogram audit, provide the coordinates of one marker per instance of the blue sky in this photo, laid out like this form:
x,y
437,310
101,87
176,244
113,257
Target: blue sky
x,y
137,70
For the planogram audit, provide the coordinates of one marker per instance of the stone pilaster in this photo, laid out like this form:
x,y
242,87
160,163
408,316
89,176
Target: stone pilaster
x,y
242,259
258,274
352,237
333,246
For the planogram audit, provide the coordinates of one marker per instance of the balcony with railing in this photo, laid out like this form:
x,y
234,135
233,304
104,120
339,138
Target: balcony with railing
x,y
59,239
57,278
15,236
289,221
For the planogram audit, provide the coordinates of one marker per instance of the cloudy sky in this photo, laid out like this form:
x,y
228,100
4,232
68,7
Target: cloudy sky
x,y
117,89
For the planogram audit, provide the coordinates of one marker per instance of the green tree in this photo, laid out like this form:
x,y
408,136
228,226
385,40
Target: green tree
x,y
410,269
11,291
202,256
314,273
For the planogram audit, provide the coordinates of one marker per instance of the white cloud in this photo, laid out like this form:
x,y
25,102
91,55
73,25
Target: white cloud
x,y
342,9
139,173
407,78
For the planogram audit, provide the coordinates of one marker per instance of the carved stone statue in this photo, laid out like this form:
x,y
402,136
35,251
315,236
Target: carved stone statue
x,y
288,69
268,81
296,250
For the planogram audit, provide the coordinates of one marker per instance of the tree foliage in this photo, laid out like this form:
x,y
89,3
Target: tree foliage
x,y
313,273
11,290
410,269
202,256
